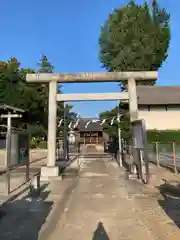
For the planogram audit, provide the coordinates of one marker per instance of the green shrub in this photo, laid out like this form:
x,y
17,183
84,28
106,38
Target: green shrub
x,y
163,136
43,144
36,143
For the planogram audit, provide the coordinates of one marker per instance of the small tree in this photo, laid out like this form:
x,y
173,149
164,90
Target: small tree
x,y
135,38
112,131
45,66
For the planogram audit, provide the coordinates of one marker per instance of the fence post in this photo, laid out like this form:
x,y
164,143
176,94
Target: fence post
x,y
78,164
157,154
27,171
174,157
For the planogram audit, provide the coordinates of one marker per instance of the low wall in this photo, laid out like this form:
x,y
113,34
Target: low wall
x,y
98,147
2,143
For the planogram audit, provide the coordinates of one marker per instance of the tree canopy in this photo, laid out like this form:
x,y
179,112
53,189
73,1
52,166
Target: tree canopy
x,y
33,98
124,123
135,38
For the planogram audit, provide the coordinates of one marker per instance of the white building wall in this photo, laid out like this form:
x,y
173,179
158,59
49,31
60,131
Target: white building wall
x,y
161,118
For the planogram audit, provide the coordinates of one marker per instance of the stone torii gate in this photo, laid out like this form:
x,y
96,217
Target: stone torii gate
x,y
51,170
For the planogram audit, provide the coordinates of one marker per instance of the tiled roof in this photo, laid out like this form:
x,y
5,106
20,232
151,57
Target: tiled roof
x,y
158,95
91,127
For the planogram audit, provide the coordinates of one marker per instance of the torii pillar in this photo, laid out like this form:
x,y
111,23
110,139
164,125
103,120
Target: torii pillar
x,y
51,169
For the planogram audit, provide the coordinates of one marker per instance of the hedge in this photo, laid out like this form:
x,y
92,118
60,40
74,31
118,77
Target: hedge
x,y
153,136
163,136
38,144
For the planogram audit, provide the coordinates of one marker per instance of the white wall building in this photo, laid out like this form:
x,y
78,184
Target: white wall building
x,y
159,106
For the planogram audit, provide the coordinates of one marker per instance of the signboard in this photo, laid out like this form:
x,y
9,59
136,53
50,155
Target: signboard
x,y
14,149
19,148
139,134
23,140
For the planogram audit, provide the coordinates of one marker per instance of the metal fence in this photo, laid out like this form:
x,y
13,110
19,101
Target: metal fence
x,y
12,158
165,154
71,150
59,149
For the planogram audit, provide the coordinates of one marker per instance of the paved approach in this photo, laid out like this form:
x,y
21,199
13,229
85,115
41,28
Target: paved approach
x,y
104,205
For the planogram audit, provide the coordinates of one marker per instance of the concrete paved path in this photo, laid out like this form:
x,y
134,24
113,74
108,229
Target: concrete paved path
x,y
99,204
106,206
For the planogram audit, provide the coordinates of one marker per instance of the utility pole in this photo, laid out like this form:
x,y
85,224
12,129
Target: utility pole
x,y
65,132
119,135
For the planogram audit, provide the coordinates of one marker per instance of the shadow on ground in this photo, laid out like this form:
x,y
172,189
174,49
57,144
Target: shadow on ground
x,y
171,202
23,219
100,233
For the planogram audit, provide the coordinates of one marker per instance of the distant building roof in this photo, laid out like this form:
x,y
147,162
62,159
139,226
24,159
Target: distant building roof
x,y
92,127
158,95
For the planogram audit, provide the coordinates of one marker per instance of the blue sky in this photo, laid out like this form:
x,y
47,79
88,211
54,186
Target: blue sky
x,y
67,31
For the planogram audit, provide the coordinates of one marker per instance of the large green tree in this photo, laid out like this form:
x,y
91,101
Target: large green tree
x,y
9,81
135,38
16,92
32,101
32,97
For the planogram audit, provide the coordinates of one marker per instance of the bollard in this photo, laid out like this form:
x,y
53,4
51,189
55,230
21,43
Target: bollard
x,y
78,165
174,157
8,180
27,171
157,154
35,185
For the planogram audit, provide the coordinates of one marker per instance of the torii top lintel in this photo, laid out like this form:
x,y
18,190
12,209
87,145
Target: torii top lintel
x,y
90,77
